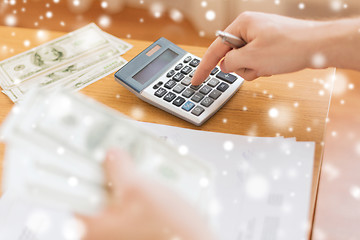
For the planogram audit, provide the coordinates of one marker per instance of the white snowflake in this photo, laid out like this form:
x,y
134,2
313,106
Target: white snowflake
x,y
10,20
176,15
301,6
228,145
273,113
73,181
104,21
49,14
183,150
210,15
355,192
257,187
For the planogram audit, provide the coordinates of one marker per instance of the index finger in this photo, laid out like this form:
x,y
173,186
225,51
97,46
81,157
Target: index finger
x,y
212,56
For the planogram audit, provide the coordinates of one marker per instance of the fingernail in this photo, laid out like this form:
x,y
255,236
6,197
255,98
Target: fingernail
x,y
222,66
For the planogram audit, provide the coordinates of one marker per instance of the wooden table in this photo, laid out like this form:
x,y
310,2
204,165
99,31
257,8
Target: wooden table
x,y
301,98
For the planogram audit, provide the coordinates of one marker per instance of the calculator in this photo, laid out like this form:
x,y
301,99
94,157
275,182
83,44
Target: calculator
x,y
161,75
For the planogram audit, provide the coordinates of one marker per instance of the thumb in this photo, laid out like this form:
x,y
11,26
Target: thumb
x,y
119,170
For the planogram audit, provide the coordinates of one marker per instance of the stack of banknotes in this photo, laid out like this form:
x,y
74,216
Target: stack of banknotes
x,y
72,61
56,142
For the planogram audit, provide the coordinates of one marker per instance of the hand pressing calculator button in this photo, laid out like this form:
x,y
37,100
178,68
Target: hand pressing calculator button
x,y
161,75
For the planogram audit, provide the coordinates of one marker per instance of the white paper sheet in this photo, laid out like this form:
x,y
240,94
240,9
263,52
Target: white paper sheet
x,y
263,185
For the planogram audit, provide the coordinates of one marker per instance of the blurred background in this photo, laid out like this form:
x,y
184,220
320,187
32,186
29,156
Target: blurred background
x,y
193,22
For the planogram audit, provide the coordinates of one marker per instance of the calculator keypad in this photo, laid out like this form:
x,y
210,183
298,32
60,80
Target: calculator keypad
x,y
193,99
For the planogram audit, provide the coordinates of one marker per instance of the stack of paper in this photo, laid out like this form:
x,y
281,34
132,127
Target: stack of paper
x,y
72,61
262,185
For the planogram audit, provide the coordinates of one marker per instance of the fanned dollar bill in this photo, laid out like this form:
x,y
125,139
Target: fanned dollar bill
x,y
55,144
71,56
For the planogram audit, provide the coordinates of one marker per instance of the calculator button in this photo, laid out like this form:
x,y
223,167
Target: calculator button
x,y
214,71
196,87
194,63
205,89
186,70
222,87
187,59
178,101
213,82
188,106
179,88
192,74
197,97
170,73
186,81
207,102
197,111
156,86
188,93
178,77
179,66
169,97
160,92
227,77
207,79
215,94
170,84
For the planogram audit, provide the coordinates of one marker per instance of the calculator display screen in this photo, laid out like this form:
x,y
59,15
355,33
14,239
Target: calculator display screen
x,y
155,66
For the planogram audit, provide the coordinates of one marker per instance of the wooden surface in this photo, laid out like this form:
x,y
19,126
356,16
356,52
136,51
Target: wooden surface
x,y
128,23
302,110
338,206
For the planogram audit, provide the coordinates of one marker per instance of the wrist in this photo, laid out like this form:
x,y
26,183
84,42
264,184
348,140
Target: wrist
x,y
334,44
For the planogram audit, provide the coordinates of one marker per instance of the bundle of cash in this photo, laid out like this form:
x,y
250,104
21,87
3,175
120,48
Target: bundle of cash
x,y
72,61
56,142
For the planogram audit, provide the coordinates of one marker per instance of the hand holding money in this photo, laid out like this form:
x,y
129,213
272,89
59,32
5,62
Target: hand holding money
x,y
141,209
56,143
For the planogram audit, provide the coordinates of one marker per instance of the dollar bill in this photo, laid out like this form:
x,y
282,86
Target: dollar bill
x,y
54,63
23,66
75,75
62,138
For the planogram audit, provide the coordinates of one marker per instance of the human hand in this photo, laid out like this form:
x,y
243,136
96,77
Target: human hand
x,y
140,209
275,44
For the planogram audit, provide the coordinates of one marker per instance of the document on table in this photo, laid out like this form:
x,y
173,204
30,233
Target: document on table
x,y
263,185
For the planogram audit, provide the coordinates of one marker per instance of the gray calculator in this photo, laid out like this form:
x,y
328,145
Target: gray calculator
x,y
161,75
